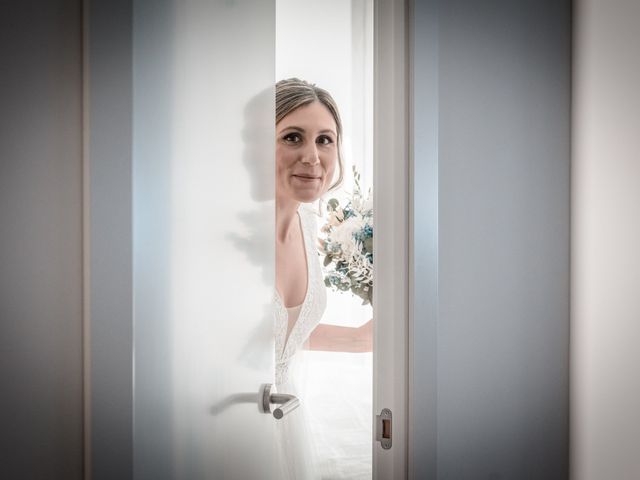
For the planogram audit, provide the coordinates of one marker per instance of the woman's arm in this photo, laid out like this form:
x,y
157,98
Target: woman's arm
x,y
335,338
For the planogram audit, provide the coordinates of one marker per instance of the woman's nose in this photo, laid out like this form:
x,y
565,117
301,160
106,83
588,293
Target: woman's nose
x,y
310,155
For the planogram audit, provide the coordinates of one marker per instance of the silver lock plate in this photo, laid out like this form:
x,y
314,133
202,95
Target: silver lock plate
x,y
384,422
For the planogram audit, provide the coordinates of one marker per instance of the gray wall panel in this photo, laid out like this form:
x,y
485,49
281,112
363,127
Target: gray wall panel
x,y
41,239
503,163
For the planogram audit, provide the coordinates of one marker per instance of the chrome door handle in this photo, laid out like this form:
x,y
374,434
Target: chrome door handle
x,y
268,395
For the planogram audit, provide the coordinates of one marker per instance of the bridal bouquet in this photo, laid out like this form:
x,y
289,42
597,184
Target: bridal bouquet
x,y
348,244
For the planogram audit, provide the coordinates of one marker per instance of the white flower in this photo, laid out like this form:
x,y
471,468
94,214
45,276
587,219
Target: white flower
x,y
343,234
361,268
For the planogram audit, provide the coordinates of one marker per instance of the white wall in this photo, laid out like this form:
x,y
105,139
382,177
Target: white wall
x,y
606,241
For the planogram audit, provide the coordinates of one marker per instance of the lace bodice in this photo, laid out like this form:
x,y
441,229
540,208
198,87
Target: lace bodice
x,y
312,307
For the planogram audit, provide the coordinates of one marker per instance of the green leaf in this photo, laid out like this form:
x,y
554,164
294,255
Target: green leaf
x,y
327,260
368,244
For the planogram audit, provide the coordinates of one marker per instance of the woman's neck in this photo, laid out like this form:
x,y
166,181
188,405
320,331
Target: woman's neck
x,y
286,215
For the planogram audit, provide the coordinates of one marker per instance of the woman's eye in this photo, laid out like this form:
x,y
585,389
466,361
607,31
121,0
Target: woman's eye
x,y
325,140
292,137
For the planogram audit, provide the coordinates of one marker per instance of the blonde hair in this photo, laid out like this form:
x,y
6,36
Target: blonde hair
x,y
293,93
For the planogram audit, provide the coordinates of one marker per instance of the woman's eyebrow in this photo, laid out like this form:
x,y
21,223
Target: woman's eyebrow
x,y
302,130
327,130
291,127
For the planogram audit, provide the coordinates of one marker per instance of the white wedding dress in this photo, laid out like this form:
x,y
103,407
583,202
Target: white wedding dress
x,y
297,452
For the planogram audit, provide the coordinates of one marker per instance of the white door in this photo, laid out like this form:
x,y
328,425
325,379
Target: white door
x,y
203,121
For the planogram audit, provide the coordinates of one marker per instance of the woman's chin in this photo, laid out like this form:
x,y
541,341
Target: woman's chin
x,y
302,195
308,197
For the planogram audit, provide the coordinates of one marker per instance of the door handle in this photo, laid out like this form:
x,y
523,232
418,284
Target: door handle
x,y
267,395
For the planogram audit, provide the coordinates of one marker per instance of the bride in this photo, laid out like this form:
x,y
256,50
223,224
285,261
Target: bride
x,y
308,160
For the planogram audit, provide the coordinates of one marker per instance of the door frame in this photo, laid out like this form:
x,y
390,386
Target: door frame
x,y
392,202
107,238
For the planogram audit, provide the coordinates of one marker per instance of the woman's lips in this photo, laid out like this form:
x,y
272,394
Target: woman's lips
x,y
304,178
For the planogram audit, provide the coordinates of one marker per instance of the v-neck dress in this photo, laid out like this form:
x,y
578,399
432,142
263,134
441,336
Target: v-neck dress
x,y
296,448
311,309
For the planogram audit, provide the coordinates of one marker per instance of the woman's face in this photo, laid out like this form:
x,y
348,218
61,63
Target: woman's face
x,y
306,153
